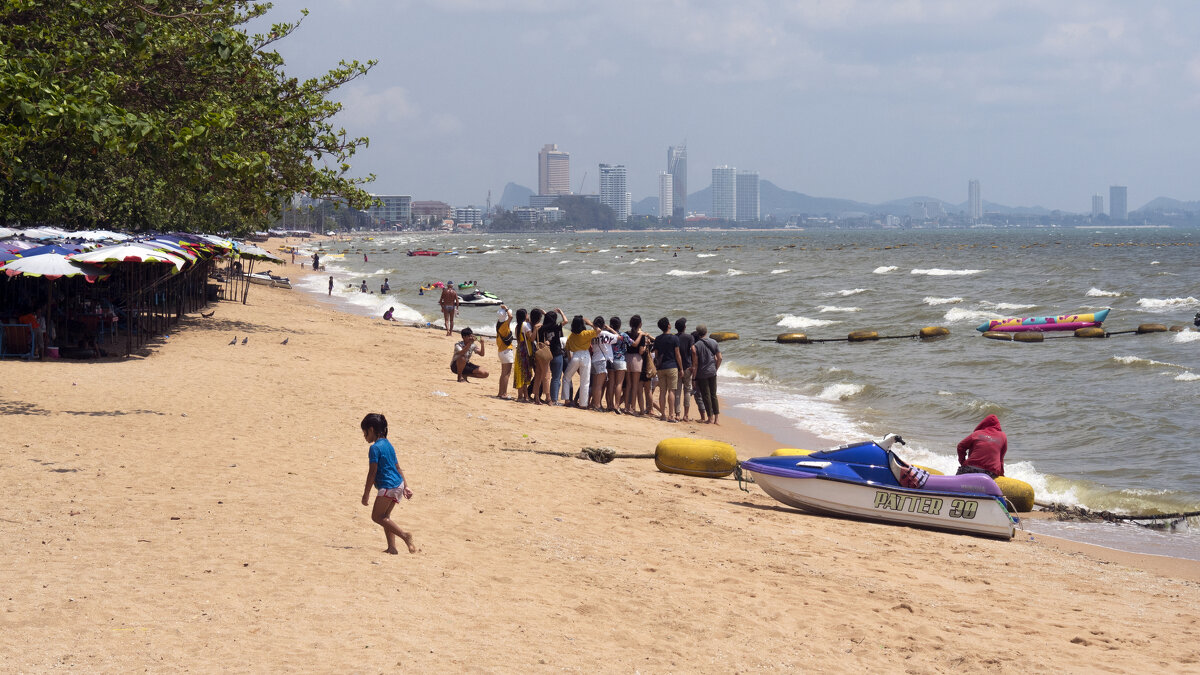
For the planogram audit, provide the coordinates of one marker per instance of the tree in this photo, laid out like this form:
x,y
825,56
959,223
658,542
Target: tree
x,y
161,114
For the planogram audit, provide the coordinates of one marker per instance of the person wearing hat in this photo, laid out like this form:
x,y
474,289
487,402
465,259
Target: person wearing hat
x,y
504,348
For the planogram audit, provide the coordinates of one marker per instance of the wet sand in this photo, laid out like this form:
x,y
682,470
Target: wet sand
x,y
197,507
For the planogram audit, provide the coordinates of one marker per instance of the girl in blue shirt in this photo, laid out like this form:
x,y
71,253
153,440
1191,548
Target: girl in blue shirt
x,y
387,477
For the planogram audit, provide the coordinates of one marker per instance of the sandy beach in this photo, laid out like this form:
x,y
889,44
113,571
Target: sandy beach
x,y
196,507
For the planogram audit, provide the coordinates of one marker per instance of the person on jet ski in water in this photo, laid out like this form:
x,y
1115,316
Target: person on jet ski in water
x,y
984,449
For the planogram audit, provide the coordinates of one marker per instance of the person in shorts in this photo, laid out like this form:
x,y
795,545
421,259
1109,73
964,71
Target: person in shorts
x,y
505,348
386,476
464,349
666,353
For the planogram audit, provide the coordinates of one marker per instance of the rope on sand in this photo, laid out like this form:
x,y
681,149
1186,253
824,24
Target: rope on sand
x,y
598,455
1065,512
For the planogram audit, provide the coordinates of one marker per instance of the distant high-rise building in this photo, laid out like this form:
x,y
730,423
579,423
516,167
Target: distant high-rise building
x,y
1117,208
724,193
396,209
974,200
677,167
1097,205
746,197
613,192
666,195
468,215
554,171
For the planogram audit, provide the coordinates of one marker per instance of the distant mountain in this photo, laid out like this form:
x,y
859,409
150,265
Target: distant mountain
x,y
645,207
514,196
1168,205
774,200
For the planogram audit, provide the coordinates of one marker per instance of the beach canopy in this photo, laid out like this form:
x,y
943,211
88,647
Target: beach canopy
x,y
127,253
52,266
6,232
253,252
99,235
17,245
50,248
41,233
5,256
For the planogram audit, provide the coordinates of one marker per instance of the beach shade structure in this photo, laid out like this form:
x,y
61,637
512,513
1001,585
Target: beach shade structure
x,y
252,252
100,235
17,245
45,233
5,256
127,253
51,248
6,232
169,248
52,266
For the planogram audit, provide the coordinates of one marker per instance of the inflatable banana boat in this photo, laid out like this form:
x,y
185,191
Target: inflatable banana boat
x,y
1044,323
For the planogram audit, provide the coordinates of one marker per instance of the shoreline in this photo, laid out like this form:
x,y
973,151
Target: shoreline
x,y
757,434
200,502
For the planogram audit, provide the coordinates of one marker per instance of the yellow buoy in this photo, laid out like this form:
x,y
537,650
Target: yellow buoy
x,y
933,331
723,335
695,457
1029,336
1091,332
863,336
1018,492
788,452
792,338
1151,328
998,335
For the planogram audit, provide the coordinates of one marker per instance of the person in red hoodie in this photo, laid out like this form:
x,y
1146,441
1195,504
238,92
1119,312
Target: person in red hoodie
x,y
983,451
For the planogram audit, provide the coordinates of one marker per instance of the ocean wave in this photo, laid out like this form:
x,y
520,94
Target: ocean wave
x,y
960,314
491,252
933,302
1094,292
793,321
1140,361
565,262
935,272
832,308
1007,306
742,372
733,273
1186,336
1167,304
1187,377
706,255
840,391
779,271
884,270
598,272
686,273
847,292
640,260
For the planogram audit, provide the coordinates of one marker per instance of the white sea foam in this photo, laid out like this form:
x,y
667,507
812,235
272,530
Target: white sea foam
x,y
884,270
733,273
706,255
960,314
686,273
833,308
741,372
565,262
598,272
640,260
604,250
793,321
1186,336
491,252
1094,292
1187,377
935,272
779,271
847,292
840,391
1155,262
933,302
1007,306
1167,304
1140,361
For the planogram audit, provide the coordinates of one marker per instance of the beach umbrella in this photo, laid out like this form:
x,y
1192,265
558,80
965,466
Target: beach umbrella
x,y
252,252
50,248
127,253
168,246
6,232
5,256
43,233
17,245
52,266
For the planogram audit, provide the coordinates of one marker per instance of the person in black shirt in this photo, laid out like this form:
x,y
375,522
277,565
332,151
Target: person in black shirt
x,y
687,368
551,333
666,351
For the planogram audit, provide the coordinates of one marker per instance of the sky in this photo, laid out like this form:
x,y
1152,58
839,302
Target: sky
x,y
1045,103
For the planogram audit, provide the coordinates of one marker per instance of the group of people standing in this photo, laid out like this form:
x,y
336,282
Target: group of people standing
x,y
618,369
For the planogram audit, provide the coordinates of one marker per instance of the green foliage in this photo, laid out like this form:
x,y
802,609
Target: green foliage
x,y
579,213
161,114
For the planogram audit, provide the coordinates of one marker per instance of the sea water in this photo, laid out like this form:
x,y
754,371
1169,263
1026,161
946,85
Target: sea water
x,y
1101,423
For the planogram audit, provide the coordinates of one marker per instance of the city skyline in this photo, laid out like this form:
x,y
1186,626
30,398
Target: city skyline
x,y
857,100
